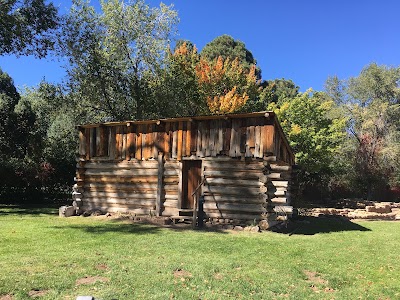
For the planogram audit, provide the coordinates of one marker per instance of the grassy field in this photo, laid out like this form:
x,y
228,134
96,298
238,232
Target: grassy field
x,y
43,256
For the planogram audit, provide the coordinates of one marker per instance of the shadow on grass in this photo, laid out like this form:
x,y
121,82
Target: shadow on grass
x,y
128,227
306,225
112,227
8,210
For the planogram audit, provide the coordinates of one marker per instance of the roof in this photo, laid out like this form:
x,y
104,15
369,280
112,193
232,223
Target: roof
x,y
194,118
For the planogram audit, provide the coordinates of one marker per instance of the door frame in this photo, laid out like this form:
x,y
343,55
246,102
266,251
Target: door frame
x,y
182,190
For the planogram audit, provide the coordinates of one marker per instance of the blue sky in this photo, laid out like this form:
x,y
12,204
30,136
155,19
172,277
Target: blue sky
x,y
305,41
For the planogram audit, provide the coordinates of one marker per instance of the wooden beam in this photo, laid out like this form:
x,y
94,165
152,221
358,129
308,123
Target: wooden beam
x,y
139,135
160,174
180,140
188,138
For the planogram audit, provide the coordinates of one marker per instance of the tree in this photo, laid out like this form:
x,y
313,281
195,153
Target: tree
x,y
315,137
227,47
371,103
225,84
176,89
278,91
27,27
114,52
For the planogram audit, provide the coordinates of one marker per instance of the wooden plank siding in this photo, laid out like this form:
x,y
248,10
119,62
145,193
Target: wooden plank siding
x,y
252,137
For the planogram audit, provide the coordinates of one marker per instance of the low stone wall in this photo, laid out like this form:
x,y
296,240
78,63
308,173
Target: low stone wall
x,y
372,211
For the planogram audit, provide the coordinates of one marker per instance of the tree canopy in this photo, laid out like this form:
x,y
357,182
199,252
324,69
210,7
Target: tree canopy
x,y
227,47
27,27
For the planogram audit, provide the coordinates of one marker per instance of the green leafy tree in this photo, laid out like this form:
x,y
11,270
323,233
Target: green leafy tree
x,y
113,53
315,137
176,88
277,91
371,103
27,27
227,47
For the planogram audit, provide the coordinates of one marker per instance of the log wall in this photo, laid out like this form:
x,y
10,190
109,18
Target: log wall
x,y
120,186
136,167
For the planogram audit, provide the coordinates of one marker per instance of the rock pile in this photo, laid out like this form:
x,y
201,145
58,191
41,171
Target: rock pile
x,y
373,211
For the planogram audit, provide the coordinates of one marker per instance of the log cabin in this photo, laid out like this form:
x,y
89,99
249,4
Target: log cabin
x,y
239,165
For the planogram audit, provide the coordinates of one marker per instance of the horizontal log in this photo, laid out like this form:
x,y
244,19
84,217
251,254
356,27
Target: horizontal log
x,y
223,190
274,194
278,201
275,175
247,217
283,208
277,183
236,199
233,166
120,201
119,194
169,211
120,179
122,209
233,182
171,203
270,158
123,165
234,207
122,172
236,175
277,167
170,196
122,186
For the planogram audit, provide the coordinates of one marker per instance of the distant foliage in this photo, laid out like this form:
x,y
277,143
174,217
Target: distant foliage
x,y
371,102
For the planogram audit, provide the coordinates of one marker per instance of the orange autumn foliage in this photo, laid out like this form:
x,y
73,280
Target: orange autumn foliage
x,y
228,103
225,84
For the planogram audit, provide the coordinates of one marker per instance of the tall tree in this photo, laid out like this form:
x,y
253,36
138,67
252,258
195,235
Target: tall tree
x,y
113,52
27,27
227,47
226,85
177,88
315,137
371,102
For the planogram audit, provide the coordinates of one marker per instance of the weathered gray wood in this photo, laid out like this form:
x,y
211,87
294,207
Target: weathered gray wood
x,y
281,168
224,190
230,174
234,182
180,185
283,183
236,198
238,216
159,183
119,194
132,172
174,143
149,164
114,202
171,203
122,209
234,207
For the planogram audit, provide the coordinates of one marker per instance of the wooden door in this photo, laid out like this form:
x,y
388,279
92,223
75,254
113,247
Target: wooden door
x,y
191,178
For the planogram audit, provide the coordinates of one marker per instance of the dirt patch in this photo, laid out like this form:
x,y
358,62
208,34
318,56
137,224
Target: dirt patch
x,y
6,297
180,273
102,267
37,293
315,278
218,276
316,281
91,280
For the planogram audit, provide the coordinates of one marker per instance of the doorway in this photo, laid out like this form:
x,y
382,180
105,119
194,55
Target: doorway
x,y
191,178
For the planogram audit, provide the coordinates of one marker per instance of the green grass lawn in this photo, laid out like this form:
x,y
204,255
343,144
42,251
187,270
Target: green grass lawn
x,y
44,256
